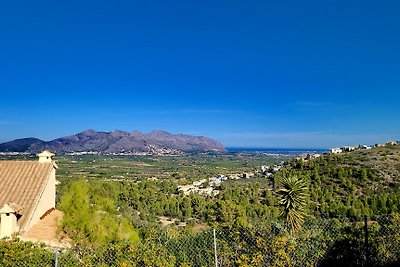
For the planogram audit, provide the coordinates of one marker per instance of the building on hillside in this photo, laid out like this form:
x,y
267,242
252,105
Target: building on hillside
x,y
365,147
222,177
336,150
214,181
276,168
199,183
264,169
234,177
349,148
392,143
186,189
27,193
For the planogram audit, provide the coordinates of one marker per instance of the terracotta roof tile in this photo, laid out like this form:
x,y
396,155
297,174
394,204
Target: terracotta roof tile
x,y
22,183
46,231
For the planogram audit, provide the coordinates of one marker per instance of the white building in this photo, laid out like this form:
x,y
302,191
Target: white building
x,y
392,143
186,189
199,183
366,147
349,148
336,150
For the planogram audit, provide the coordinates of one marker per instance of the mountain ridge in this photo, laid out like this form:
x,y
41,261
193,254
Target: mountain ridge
x,y
19,145
155,142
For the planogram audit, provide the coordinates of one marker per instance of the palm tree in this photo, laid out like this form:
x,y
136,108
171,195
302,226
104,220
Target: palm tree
x,y
293,197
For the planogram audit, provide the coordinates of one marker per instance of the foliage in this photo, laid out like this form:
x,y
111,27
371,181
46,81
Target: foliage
x,y
15,253
97,224
293,197
350,184
320,242
114,215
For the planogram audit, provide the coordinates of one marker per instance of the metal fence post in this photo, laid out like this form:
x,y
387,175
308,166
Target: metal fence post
x,y
56,258
215,249
366,240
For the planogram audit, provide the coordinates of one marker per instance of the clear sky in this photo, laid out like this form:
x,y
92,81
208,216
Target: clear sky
x,y
248,73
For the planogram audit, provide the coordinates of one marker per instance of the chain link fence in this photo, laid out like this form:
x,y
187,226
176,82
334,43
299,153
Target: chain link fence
x,y
321,242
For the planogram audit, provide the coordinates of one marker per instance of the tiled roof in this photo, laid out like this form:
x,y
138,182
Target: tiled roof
x,y
22,183
46,231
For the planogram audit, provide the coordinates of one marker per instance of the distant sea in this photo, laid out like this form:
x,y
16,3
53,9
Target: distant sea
x,y
277,150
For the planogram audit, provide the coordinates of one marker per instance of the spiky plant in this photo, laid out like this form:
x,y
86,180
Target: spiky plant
x,y
293,197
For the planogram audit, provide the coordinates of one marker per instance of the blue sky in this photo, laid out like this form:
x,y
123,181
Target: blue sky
x,y
248,73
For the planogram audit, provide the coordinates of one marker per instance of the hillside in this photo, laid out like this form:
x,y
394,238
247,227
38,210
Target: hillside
x,y
20,145
156,142
352,183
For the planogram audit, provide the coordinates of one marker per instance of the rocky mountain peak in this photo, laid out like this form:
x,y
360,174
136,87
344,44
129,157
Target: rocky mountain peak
x,y
116,142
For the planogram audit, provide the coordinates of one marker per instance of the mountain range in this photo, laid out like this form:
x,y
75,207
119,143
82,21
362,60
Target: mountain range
x,y
155,142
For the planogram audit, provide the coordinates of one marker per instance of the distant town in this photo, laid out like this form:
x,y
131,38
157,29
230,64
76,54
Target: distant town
x,y
353,148
210,186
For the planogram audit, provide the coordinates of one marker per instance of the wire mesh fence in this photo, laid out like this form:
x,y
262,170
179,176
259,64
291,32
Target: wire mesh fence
x,y
321,242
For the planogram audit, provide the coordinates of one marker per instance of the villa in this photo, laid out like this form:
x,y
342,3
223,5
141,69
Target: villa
x,y
27,193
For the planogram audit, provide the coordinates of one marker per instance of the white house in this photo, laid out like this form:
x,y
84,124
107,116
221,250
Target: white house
x,y
186,189
349,148
199,183
336,150
365,147
27,193
392,143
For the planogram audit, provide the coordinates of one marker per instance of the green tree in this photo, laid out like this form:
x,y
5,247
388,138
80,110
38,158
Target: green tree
x,y
293,197
93,219
78,216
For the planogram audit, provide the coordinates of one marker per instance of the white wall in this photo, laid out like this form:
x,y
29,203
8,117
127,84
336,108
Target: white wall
x,y
46,202
8,224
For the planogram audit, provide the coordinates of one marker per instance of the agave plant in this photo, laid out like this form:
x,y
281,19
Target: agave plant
x,y
293,197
